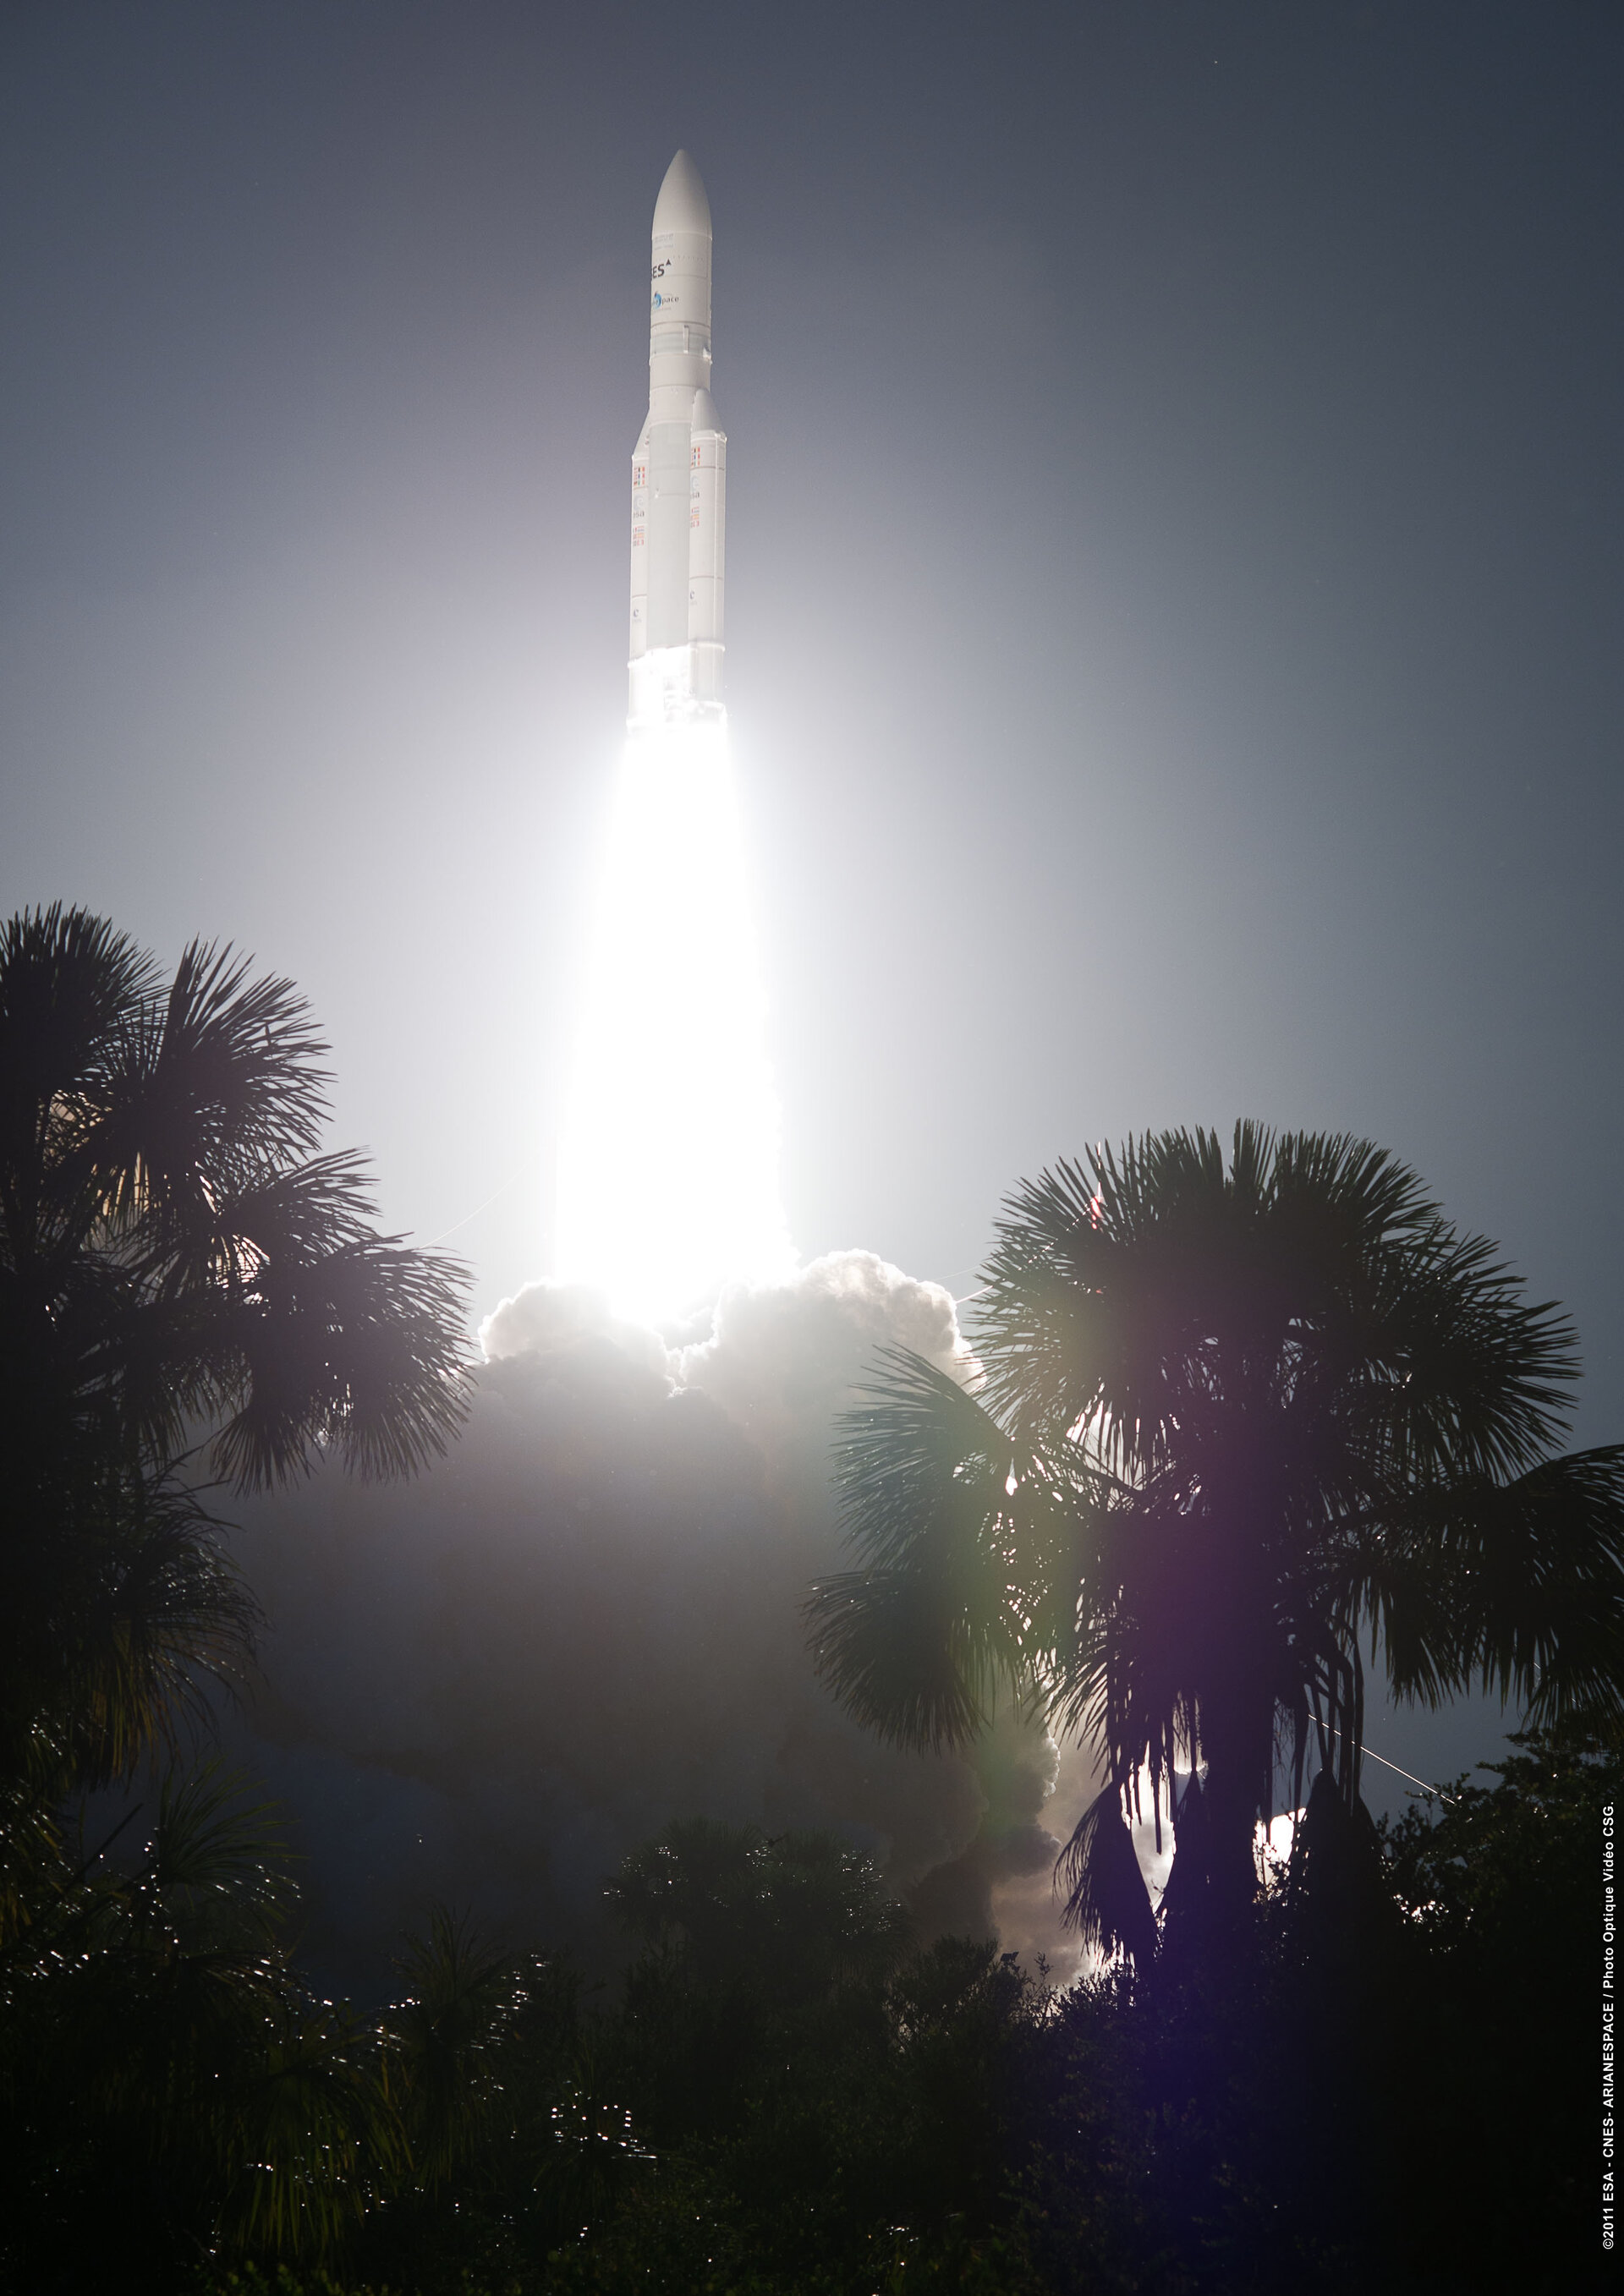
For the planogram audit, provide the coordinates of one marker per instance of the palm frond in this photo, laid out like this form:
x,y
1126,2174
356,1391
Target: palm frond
x,y
916,1643
1107,1902
67,980
1540,1563
317,2136
218,1859
462,1993
35,1876
357,1348
218,1068
902,1660
124,1607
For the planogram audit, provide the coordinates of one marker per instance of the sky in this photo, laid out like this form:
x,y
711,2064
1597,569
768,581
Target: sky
x,y
1174,514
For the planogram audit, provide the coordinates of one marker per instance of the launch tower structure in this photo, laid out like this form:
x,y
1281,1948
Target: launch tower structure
x,y
679,473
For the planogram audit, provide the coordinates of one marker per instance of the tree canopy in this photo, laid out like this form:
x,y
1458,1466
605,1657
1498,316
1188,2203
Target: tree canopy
x,y
1239,1418
191,1295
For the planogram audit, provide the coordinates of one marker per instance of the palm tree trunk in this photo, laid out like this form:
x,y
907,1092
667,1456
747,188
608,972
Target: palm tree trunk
x,y
1237,1739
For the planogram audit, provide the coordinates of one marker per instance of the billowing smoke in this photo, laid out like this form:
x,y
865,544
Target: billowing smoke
x,y
487,1687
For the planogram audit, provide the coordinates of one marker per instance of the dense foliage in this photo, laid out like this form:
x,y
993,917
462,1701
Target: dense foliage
x,y
784,2095
191,1297
1243,1418
1236,1416
188,1292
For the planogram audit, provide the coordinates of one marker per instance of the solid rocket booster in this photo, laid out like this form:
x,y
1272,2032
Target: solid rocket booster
x,y
678,475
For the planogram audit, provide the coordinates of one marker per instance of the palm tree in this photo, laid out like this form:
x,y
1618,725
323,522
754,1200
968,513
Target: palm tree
x,y
1239,1421
188,1292
166,2080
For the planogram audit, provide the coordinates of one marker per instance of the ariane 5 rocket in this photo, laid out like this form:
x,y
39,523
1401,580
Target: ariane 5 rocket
x,y
679,468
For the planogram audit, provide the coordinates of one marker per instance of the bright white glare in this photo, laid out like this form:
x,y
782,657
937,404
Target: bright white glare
x,y
1274,1839
669,1164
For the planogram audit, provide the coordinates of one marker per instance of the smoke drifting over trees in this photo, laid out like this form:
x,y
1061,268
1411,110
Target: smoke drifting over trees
x,y
489,1687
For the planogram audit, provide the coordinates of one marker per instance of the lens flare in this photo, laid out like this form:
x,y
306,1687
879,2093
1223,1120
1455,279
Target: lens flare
x,y
669,1164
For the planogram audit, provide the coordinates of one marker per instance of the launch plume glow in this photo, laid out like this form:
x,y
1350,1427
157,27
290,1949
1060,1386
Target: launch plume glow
x,y
668,1172
669,1167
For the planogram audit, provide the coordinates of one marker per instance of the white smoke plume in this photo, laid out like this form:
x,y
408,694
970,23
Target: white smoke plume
x,y
489,1685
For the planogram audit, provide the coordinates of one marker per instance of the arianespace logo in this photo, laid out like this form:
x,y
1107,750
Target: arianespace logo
x,y
659,300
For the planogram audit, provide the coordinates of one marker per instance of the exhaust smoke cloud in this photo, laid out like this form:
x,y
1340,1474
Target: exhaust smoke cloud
x,y
487,1687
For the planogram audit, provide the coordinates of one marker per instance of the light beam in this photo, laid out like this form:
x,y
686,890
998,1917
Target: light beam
x,y
669,1165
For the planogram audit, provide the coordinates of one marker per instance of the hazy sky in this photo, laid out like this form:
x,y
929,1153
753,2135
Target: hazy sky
x,y
1173,480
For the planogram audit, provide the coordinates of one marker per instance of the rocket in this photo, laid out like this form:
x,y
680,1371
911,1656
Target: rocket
x,y
678,476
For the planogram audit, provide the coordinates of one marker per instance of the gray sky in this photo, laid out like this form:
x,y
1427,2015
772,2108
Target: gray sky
x,y
1174,482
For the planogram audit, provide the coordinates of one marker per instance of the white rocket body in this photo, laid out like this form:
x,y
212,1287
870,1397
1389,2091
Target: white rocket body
x,y
679,471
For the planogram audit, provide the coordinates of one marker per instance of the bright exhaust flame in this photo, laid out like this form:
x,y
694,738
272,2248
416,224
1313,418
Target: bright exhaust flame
x,y
668,1164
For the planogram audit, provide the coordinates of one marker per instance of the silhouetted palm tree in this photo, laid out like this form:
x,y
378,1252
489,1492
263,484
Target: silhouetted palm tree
x,y
187,1291
1236,1419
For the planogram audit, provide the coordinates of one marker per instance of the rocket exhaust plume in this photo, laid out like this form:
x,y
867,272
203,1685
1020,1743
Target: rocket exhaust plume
x,y
588,1621
668,1164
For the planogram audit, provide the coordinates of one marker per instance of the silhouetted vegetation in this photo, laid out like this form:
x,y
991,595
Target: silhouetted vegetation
x,y
191,1296
786,2093
1237,1417
188,1292
1242,1421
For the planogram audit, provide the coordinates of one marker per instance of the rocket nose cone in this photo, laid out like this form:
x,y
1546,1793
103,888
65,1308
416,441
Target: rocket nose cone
x,y
682,204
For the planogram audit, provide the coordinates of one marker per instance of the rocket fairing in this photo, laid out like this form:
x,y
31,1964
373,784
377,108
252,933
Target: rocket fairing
x,y
679,468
